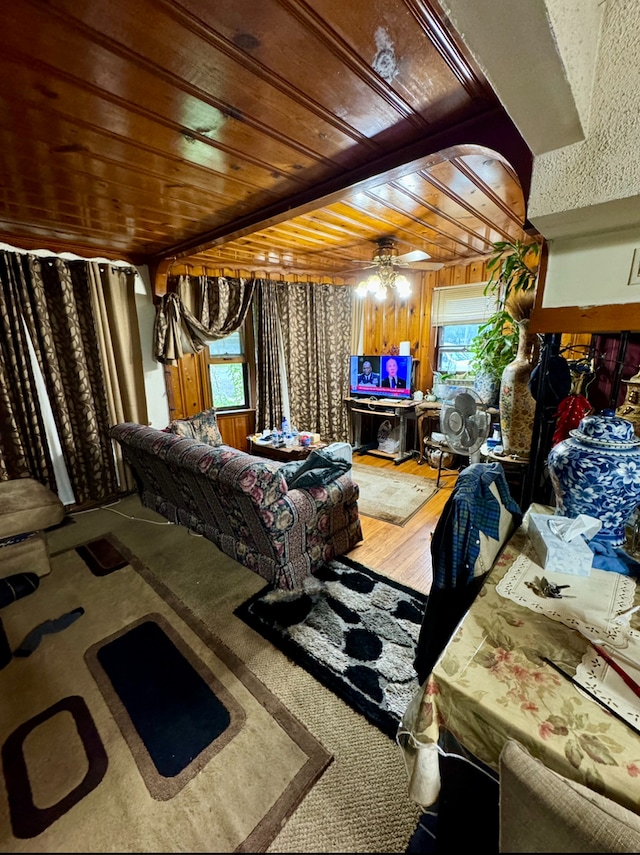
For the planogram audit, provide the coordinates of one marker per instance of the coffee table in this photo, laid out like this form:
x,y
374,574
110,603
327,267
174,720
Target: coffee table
x,y
281,452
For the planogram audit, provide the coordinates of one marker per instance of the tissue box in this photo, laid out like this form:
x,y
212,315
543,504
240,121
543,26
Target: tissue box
x,y
574,557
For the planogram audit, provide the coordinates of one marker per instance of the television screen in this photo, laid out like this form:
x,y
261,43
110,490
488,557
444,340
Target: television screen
x,y
380,376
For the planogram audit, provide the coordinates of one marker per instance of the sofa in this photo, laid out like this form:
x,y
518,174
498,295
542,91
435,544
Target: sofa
x,y
282,521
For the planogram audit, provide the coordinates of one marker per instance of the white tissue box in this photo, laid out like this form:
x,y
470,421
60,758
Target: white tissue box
x,y
573,557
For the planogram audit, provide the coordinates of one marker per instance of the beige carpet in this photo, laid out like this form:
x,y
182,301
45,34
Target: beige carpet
x,y
392,497
78,765
358,804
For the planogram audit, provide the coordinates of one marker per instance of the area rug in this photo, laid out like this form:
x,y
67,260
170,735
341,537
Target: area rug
x,y
392,497
354,630
125,708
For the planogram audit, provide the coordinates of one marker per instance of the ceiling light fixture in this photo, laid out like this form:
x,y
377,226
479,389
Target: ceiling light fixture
x,y
385,276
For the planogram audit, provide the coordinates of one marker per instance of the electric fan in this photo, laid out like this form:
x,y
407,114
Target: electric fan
x,y
465,422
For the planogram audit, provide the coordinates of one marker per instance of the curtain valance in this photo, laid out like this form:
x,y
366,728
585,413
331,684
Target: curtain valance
x,y
197,309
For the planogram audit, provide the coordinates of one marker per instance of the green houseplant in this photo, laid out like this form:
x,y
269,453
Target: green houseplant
x,y
494,346
513,269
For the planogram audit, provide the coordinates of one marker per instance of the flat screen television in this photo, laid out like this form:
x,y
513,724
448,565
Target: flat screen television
x,y
380,377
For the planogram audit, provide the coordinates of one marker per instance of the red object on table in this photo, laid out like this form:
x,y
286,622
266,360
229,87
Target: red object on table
x,y
635,688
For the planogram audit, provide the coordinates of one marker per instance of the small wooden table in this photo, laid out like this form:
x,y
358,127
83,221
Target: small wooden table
x,y
281,452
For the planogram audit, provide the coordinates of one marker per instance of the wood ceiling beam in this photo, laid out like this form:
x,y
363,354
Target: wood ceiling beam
x,y
492,129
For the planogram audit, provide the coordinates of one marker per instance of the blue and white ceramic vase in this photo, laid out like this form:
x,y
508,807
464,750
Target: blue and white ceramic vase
x,y
596,471
488,388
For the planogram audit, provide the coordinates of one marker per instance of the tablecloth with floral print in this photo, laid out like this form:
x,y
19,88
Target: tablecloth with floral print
x,y
490,684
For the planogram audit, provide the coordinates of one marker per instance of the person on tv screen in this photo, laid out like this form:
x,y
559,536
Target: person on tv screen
x,y
393,381
368,376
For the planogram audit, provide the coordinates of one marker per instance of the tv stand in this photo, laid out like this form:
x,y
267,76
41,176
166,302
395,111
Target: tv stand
x,y
400,410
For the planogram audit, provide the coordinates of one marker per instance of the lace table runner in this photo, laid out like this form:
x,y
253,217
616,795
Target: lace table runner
x,y
590,604
600,679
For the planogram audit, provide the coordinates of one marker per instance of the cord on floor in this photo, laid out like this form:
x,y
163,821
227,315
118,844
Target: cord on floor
x,y
127,516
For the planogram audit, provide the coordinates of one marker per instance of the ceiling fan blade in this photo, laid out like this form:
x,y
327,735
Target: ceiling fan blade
x,y
414,255
421,265
356,269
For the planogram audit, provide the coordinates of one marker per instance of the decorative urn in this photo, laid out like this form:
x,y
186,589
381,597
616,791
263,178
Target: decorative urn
x,y
596,471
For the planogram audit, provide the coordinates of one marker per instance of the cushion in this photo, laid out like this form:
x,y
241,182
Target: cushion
x,y
542,811
203,427
318,468
26,505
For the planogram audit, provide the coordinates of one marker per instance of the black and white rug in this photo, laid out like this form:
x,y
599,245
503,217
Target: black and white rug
x,y
354,630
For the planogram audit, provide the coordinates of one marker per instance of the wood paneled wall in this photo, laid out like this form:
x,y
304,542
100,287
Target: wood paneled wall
x,y
387,324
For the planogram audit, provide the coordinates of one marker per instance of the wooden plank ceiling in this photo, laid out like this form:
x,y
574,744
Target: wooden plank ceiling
x,y
268,135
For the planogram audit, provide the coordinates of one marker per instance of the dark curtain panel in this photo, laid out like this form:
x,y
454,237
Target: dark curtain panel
x,y
23,445
54,298
316,332
267,339
199,308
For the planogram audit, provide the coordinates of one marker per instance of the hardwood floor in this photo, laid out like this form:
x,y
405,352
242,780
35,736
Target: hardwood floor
x,y
403,552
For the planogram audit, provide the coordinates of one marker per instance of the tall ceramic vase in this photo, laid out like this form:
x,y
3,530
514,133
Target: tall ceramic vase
x,y
517,404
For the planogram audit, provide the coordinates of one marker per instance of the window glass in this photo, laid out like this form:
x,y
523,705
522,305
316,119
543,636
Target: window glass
x,y
230,344
228,385
228,372
452,352
457,313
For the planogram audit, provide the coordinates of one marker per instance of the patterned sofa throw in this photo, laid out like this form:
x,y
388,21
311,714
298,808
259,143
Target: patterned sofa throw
x,y
203,427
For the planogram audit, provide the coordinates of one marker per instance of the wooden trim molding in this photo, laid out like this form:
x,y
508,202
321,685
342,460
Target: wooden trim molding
x,y
586,319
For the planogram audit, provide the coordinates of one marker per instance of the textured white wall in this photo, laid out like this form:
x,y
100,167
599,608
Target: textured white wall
x,y
592,270
559,66
154,384
605,167
514,44
576,25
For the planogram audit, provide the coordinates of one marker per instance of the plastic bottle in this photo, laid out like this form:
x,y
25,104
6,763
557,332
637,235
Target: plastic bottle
x,y
285,426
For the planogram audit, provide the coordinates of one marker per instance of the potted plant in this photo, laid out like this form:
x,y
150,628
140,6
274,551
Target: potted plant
x,y
513,269
492,349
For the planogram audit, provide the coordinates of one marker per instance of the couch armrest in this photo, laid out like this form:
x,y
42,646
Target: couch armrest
x,y
340,491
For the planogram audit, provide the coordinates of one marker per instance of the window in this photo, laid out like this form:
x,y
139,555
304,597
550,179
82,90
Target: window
x,y
456,316
228,372
452,351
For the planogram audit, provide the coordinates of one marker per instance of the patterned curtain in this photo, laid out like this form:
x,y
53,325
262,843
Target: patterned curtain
x,y
268,344
53,297
316,324
24,450
199,308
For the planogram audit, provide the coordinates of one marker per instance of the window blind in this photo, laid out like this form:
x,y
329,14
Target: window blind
x,y
462,304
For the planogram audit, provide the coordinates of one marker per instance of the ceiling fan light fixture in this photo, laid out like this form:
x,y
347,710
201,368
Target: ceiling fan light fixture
x,y
386,275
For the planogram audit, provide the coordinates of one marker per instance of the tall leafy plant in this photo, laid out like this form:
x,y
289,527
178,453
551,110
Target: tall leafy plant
x,y
494,346
513,268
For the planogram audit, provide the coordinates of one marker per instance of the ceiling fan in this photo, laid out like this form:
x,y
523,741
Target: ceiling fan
x,y
386,254
388,266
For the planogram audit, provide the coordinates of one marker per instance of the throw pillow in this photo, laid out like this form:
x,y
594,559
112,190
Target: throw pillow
x,y
203,427
317,469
